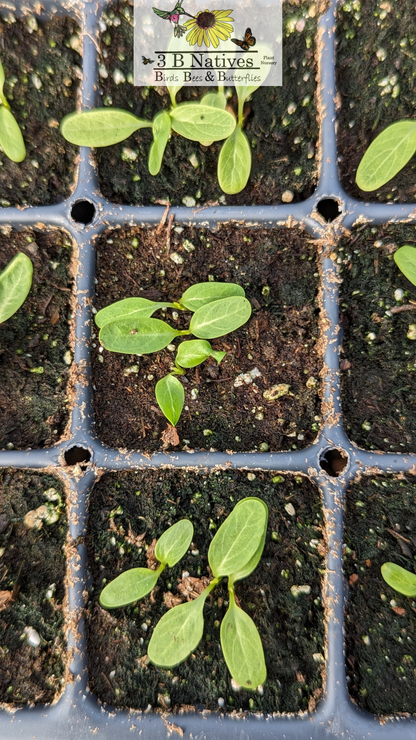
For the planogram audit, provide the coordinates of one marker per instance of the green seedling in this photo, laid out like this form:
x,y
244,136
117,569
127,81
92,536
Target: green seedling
x,y
399,578
234,553
136,583
385,157
127,327
15,283
11,139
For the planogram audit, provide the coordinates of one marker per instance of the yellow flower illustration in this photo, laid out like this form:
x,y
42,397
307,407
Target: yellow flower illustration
x,y
209,27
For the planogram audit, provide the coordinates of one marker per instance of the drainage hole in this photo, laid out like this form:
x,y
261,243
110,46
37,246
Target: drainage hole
x,y
77,455
83,211
333,462
329,209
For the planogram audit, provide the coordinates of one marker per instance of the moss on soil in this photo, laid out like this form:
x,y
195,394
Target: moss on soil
x,y
33,344
277,270
31,561
292,629
381,667
376,81
283,145
42,72
378,372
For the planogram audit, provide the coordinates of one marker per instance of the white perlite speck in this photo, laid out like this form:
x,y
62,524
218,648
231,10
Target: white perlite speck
x,y
118,76
297,590
247,378
32,637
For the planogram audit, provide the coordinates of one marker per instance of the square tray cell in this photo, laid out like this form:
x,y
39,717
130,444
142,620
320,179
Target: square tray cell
x,y
379,353
380,527
283,595
41,60
281,124
33,531
278,345
34,343
376,85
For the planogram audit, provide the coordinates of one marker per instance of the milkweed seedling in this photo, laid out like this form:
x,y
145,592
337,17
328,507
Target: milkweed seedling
x,y
126,327
15,283
400,579
11,139
385,157
234,553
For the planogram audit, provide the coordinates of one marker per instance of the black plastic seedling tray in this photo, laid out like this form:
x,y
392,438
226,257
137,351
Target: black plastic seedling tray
x,y
78,713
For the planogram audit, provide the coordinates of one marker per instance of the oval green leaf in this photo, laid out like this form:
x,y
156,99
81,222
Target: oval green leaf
x,y
128,308
177,634
242,648
238,538
128,587
195,351
215,100
220,317
254,561
202,122
11,139
202,293
161,132
170,396
136,336
387,155
399,578
405,259
234,163
173,91
100,127
15,283
173,543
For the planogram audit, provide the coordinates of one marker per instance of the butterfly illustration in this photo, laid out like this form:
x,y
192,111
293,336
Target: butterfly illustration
x,y
249,40
147,61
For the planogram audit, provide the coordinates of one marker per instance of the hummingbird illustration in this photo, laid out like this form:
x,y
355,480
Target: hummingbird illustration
x,y
173,16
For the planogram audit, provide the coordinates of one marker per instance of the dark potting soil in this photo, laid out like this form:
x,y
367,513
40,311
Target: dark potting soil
x,y
380,527
377,87
34,343
32,583
378,362
42,66
128,510
278,271
281,124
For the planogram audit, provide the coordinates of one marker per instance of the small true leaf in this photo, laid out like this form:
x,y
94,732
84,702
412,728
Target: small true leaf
x,y
170,396
202,122
238,538
15,283
405,259
220,317
174,542
128,308
234,163
11,138
195,351
242,648
161,132
400,579
387,155
100,127
136,336
254,561
202,293
215,100
128,587
177,634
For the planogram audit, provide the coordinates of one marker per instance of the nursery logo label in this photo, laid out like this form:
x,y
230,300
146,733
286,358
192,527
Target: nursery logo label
x,y
233,43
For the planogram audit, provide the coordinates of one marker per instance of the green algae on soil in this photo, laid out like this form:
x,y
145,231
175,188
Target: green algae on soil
x,y
380,526
281,124
34,343
42,67
277,268
378,360
377,86
32,570
128,511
